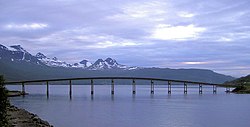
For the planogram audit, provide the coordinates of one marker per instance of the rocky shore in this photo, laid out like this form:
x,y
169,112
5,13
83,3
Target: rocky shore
x,y
21,118
15,93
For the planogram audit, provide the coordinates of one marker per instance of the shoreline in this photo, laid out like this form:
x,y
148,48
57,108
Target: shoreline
x,y
242,90
18,117
15,93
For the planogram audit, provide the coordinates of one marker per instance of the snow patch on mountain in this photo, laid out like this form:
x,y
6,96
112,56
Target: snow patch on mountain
x,y
53,62
18,48
108,63
82,64
3,47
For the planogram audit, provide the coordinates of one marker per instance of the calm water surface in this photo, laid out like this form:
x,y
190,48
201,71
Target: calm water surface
x,y
142,110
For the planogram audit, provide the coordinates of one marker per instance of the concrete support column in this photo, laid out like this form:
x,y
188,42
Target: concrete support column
x,y
112,87
152,87
92,86
47,90
70,89
214,89
200,89
169,87
23,89
185,88
133,85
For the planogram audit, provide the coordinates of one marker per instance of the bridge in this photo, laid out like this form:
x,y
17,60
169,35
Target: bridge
x,y
133,79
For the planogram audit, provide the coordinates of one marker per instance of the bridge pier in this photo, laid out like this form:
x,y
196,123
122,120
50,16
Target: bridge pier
x,y
214,89
92,87
47,89
133,86
70,89
169,87
112,87
185,88
200,89
23,89
152,87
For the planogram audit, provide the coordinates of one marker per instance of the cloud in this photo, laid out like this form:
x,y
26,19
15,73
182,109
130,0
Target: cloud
x,y
194,63
31,26
186,14
141,33
169,32
202,62
82,39
224,39
107,44
141,10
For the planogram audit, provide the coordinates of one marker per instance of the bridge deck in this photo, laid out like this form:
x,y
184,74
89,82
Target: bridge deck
x,y
169,82
127,78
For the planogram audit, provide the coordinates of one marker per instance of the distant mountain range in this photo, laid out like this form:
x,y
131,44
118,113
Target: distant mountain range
x,y
16,63
17,53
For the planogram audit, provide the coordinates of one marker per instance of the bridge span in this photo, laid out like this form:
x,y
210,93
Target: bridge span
x,y
112,83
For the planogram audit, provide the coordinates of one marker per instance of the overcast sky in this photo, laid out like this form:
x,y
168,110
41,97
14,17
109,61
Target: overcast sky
x,y
207,34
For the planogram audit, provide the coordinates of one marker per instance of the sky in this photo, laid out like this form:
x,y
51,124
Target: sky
x,y
206,34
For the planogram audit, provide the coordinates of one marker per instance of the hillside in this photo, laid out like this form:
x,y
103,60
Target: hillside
x,y
243,85
20,70
240,81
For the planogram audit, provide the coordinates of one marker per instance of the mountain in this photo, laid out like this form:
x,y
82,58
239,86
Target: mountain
x,y
109,63
82,64
17,53
18,64
52,62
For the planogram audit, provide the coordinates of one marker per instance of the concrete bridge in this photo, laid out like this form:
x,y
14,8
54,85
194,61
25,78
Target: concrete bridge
x,y
112,82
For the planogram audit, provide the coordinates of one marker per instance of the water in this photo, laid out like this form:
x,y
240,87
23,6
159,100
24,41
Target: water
x,y
142,110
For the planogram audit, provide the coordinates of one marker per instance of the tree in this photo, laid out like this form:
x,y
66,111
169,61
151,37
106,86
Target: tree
x,y
3,103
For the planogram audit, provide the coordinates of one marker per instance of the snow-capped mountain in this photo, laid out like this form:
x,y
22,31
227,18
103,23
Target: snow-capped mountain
x,y
109,63
53,62
17,53
82,64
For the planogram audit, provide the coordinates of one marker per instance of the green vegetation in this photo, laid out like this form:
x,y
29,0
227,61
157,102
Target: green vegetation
x,y
243,85
242,90
4,103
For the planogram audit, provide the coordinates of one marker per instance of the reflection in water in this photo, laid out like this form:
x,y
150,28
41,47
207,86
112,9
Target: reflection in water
x,y
142,109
